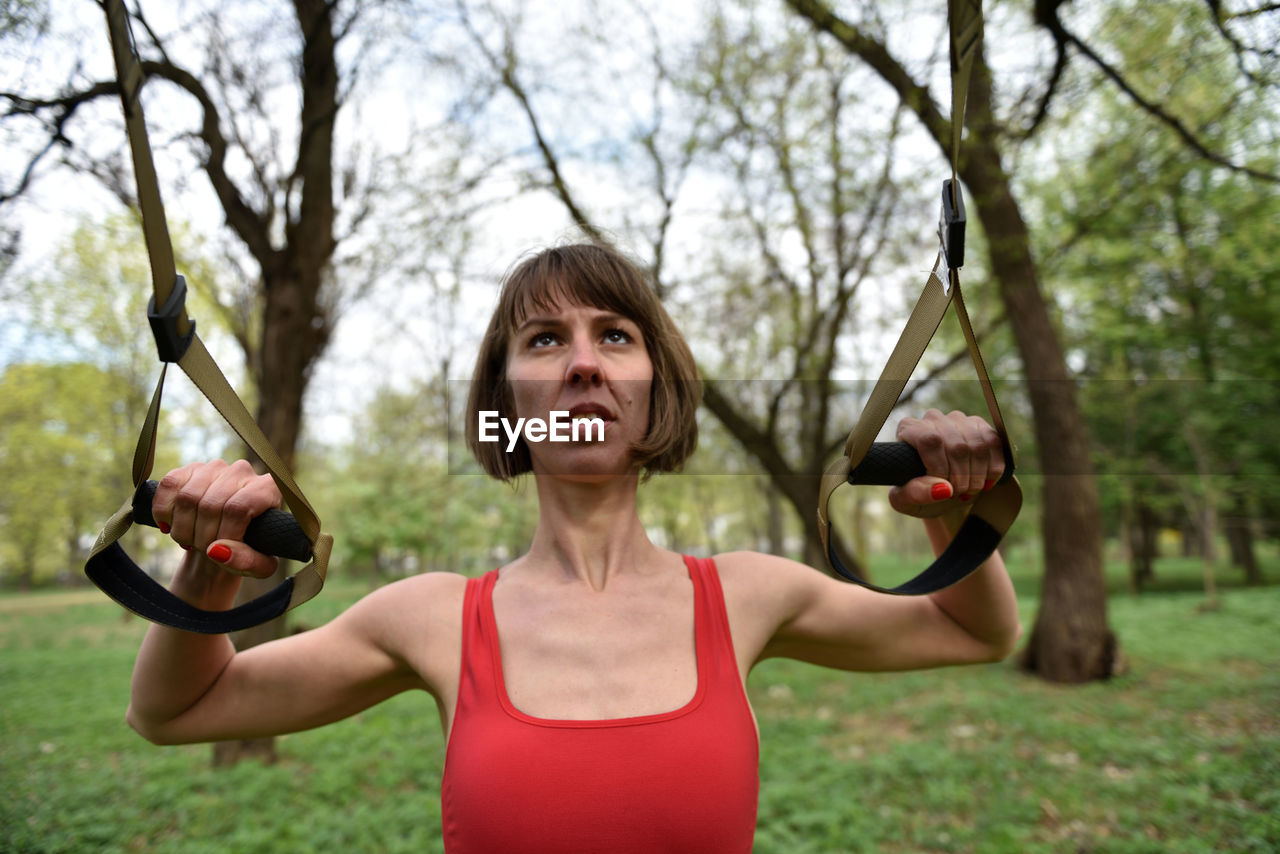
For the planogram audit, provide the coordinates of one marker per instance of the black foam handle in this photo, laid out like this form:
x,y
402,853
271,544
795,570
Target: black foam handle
x,y
275,532
888,464
895,463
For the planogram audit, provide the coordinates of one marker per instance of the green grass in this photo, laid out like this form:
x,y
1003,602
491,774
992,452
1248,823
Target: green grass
x,y
1182,753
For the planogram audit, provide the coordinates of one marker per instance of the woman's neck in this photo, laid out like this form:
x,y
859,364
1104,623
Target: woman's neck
x,y
588,531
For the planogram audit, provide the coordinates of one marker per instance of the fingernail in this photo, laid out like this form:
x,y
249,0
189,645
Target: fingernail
x,y
966,496
219,553
986,486
941,491
164,527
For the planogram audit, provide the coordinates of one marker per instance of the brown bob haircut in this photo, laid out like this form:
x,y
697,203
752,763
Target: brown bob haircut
x,y
601,277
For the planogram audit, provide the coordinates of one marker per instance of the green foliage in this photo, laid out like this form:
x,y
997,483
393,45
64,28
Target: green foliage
x,y
64,464
1165,261
1179,754
72,410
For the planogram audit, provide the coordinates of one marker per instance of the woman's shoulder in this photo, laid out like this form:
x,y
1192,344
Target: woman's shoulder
x,y
430,584
417,620
762,593
430,596
761,577
759,566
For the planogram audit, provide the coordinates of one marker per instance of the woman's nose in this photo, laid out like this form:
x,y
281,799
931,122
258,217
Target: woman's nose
x,y
584,363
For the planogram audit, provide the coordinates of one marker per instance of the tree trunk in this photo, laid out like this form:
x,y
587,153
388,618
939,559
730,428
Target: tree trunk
x,y
1190,537
1209,555
295,326
26,574
1142,545
1070,641
1239,529
292,338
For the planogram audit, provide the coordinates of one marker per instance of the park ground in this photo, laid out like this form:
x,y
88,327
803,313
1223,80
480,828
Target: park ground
x,y
1180,753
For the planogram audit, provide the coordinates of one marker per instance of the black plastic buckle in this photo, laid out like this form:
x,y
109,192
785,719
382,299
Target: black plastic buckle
x,y
164,323
951,226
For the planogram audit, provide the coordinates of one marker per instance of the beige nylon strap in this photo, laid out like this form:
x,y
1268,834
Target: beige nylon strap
x,y
154,225
204,372
195,361
915,337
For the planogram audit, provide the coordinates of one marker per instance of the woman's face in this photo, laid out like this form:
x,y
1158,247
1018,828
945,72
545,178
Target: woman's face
x,y
592,363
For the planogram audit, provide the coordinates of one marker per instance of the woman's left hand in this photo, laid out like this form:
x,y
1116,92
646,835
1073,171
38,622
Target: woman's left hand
x,y
962,454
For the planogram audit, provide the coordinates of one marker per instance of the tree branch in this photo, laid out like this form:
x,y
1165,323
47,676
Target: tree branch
x,y
62,109
1220,22
248,224
506,67
876,55
1047,16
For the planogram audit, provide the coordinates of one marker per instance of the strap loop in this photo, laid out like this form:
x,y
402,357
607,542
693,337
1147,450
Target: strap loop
x,y
868,462
170,343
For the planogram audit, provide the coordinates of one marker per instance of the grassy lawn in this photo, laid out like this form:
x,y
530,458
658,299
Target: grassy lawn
x,y
1182,753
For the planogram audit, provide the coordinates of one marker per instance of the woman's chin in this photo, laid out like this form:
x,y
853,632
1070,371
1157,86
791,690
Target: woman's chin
x,y
589,466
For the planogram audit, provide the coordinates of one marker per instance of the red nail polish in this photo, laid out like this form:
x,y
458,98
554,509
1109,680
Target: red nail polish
x,y
219,553
941,491
966,496
164,527
986,486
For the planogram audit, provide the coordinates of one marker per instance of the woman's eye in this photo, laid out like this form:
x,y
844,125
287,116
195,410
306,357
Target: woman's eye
x,y
543,339
616,336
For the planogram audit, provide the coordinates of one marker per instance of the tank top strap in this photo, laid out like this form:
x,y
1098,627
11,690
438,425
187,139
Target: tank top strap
x,y
711,616
478,682
474,601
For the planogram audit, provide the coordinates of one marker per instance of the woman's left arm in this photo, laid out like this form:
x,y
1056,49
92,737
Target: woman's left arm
x,y
793,611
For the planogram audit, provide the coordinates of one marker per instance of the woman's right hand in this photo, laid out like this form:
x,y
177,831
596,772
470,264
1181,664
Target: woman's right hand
x,y
207,506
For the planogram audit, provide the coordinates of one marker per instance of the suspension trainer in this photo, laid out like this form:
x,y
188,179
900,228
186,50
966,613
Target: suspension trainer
x,y
868,462
295,535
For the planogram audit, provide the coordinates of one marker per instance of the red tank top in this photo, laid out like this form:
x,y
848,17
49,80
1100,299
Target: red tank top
x,y
681,781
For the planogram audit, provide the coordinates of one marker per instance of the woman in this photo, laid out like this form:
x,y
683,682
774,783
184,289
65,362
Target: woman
x,y
592,689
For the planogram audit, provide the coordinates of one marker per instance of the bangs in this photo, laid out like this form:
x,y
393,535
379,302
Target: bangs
x,y
576,278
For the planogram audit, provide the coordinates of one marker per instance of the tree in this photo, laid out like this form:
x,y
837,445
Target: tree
x,y
1161,249
285,192
1070,640
57,417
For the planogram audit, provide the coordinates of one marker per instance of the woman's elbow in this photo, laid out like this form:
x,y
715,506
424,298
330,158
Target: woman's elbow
x,y
152,731
1005,646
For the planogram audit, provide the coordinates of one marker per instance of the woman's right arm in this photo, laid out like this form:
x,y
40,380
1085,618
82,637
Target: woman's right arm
x,y
191,687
